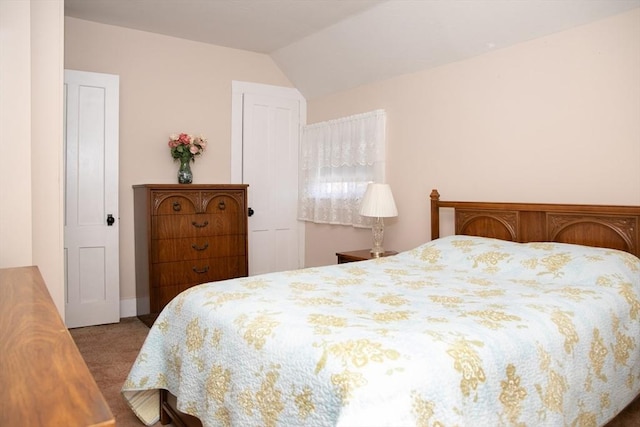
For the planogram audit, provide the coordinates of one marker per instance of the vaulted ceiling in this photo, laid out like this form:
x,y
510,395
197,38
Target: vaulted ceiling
x,y
325,46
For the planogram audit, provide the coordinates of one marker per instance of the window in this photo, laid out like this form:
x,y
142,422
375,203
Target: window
x,y
338,159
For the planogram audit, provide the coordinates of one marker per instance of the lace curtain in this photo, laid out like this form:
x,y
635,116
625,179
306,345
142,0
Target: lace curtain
x,y
338,159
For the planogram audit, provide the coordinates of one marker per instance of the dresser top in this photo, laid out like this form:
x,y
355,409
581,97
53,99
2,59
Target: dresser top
x,y
191,186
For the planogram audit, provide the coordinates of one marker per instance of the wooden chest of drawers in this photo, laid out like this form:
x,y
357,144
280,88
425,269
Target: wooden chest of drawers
x,y
186,235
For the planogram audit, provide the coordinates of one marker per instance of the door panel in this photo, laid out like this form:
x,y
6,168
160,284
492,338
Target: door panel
x,y
92,275
89,156
91,194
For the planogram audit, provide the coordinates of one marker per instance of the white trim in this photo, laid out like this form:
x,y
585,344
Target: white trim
x,y
128,308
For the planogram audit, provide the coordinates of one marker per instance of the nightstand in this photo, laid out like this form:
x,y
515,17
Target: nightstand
x,y
361,255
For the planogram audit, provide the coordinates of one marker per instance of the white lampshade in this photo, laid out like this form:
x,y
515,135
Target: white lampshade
x,y
378,202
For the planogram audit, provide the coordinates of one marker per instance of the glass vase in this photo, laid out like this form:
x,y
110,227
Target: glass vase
x,y
184,173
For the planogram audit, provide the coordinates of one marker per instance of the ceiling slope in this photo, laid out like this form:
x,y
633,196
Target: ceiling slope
x,y
256,25
326,46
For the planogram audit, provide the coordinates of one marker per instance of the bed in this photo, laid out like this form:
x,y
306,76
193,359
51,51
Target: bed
x,y
529,314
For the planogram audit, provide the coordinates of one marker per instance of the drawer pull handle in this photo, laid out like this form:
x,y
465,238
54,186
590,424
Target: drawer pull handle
x,y
201,271
200,248
204,224
222,206
177,207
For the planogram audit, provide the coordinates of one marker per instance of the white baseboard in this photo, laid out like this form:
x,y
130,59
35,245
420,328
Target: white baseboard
x,y
128,308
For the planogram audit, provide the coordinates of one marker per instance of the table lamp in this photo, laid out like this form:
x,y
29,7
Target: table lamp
x,y
378,203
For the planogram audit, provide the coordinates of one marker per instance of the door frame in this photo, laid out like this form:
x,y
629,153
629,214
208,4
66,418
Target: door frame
x,y
238,89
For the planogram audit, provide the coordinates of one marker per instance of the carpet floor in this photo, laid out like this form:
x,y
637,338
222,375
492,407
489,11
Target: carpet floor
x,y
110,350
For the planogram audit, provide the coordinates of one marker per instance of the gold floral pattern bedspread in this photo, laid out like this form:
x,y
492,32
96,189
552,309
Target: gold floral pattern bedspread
x,y
460,331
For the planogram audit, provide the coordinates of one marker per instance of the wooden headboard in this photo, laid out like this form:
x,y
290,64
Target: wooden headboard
x,y
616,227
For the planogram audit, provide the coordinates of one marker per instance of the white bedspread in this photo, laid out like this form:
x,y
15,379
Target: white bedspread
x,y
461,331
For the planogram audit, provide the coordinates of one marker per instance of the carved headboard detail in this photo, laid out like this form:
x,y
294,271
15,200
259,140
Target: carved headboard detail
x,y
608,226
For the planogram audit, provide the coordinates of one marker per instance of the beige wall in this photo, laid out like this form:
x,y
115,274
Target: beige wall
x,y
556,119
167,85
15,134
47,132
31,55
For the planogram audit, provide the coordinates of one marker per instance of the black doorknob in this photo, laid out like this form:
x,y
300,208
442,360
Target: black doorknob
x,y
251,212
110,220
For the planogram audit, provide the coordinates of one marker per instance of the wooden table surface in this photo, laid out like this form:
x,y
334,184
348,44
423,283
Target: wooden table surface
x,y
43,379
359,255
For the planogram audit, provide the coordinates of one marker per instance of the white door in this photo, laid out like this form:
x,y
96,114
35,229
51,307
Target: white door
x,y
271,118
91,199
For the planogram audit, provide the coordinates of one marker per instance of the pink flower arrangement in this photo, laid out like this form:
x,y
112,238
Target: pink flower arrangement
x,y
185,147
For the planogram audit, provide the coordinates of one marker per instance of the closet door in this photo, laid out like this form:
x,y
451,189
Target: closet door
x,y
91,199
270,135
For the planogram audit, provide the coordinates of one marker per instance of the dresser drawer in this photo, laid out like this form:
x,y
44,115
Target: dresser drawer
x,y
167,250
223,203
198,271
198,225
170,203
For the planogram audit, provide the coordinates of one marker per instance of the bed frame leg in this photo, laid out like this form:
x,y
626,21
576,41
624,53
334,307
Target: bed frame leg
x,y
435,214
164,416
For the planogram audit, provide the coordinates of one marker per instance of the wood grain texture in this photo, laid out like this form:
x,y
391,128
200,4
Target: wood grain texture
x,y
45,381
606,226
